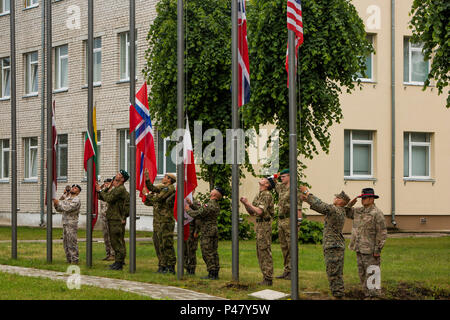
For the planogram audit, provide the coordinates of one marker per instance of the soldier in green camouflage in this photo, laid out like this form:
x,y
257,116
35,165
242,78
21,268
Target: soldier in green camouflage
x,y
118,200
190,247
369,235
209,236
284,229
165,222
333,239
263,208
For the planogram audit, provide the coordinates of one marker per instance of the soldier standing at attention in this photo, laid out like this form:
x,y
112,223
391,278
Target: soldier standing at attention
x,y
369,234
333,239
70,209
263,208
118,200
163,212
103,207
284,229
209,234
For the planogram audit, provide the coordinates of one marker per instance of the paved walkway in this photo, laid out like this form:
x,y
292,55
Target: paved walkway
x,y
155,291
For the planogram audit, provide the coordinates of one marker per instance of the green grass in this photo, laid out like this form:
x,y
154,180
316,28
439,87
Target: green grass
x,y
14,287
415,261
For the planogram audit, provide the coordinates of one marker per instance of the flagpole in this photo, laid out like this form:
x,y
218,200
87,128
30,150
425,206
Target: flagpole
x,y
132,138
49,134
90,162
293,164
180,125
13,132
235,126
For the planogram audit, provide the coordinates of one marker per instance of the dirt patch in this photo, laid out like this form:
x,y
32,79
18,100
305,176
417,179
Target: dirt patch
x,y
236,286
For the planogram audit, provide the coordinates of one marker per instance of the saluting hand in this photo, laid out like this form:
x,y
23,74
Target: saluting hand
x,y
352,203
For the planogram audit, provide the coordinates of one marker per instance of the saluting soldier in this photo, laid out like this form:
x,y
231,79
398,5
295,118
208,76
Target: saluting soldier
x,y
369,235
333,239
118,200
69,205
165,221
106,237
209,235
263,208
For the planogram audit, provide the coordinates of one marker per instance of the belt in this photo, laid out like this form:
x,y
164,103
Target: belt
x,y
261,220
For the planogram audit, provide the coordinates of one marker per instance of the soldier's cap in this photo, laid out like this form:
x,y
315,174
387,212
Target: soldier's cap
x,y
172,176
77,185
222,192
343,196
124,174
368,193
285,171
271,182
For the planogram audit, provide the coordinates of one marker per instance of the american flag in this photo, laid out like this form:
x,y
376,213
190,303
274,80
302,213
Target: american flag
x,y
244,63
294,23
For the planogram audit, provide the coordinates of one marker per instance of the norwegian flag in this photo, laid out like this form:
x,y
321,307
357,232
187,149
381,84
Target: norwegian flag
x,y
145,143
243,60
294,23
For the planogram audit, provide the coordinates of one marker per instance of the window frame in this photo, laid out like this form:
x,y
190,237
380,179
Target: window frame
x,y
3,82
58,58
28,72
127,55
97,50
412,49
412,144
3,11
164,151
372,56
28,148
60,146
4,150
127,138
31,3
360,142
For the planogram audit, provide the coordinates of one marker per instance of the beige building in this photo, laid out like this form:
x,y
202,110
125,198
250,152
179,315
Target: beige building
x,y
360,152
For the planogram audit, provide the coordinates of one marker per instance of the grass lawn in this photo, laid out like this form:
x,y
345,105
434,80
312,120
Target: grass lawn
x,y
410,268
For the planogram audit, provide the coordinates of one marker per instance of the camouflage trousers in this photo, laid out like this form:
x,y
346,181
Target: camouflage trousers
x,y
108,248
209,246
70,241
117,234
165,238
190,250
284,234
364,261
263,248
156,241
334,261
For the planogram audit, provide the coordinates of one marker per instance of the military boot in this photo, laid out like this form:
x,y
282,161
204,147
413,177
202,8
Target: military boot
x,y
214,275
170,269
112,266
209,276
119,266
160,269
265,282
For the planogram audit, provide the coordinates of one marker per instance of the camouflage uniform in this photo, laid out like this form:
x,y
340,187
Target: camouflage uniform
x,y
209,234
369,234
164,212
333,242
284,230
70,209
118,200
106,237
264,201
190,247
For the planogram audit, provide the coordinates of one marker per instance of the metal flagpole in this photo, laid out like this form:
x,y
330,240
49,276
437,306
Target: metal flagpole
x,y
90,126
293,164
180,125
235,126
42,151
13,132
49,133
132,39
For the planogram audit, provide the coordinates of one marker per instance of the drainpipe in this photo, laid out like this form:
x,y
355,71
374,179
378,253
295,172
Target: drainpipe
x,y
394,223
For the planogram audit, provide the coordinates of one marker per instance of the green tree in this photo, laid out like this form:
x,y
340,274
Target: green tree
x,y
333,52
429,24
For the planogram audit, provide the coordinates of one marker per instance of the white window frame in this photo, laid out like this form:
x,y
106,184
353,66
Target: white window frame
x,y
31,3
126,147
371,79
4,71
412,49
59,146
4,150
164,169
97,50
412,144
28,73
4,2
361,142
127,55
28,148
58,58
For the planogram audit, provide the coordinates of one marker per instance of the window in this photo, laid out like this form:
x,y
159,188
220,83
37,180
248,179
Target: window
x,y
368,74
61,66
99,147
358,156
31,3
62,156
31,152
97,61
124,56
31,73
415,69
5,81
417,155
4,6
4,160
164,159
124,150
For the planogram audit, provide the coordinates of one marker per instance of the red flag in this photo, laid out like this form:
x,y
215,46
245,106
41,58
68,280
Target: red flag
x,y
190,178
294,23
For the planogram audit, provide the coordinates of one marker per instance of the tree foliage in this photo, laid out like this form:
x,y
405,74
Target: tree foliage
x,y
430,27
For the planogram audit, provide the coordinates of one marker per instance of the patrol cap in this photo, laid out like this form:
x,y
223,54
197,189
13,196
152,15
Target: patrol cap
x,y
343,196
125,175
77,185
172,176
271,182
222,192
285,171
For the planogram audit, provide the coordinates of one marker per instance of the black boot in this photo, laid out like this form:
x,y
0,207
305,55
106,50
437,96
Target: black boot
x,y
215,275
112,266
160,269
170,269
209,276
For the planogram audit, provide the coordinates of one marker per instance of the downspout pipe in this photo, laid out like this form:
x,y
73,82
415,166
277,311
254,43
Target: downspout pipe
x,y
394,223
